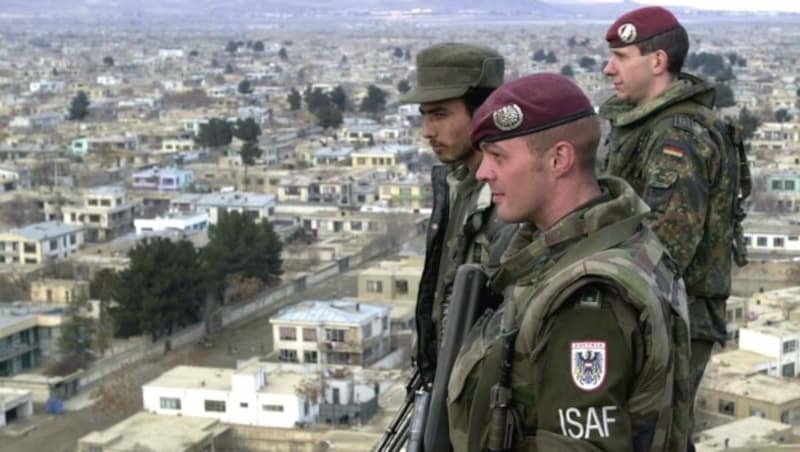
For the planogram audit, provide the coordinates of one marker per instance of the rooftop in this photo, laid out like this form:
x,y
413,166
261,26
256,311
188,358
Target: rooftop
x,y
765,388
145,431
748,432
741,362
332,311
236,199
45,230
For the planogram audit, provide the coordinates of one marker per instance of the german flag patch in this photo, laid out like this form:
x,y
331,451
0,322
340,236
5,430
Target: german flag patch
x,y
673,151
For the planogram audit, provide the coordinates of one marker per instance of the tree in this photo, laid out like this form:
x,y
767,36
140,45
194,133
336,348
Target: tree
x,y
329,116
193,53
231,47
161,290
228,68
76,331
782,115
403,86
571,42
240,246
749,123
18,211
215,133
724,96
258,46
108,61
540,55
282,54
100,289
295,100
249,153
588,63
315,99
246,130
79,107
244,87
566,71
375,100
398,52
551,57
339,98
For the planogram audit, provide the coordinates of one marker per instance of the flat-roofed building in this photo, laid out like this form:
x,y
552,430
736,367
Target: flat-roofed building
x,y
391,280
58,291
106,212
779,340
737,396
146,431
15,404
332,332
27,334
748,434
40,243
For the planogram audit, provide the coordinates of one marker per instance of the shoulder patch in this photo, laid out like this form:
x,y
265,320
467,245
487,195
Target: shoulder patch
x,y
588,364
673,149
683,122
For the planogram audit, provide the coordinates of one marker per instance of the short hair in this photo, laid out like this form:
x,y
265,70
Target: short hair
x,y
583,133
675,43
475,97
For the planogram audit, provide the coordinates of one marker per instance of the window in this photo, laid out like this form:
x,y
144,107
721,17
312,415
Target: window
x,y
385,321
375,286
288,355
792,238
789,346
787,370
287,333
777,184
334,335
168,403
777,242
738,314
243,405
29,247
105,202
72,239
366,330
355,225
401,286
727,407
309,334
274,408
788,185
761,241
757,412
214,406
92,202
309,356
336,396
53,244
748,241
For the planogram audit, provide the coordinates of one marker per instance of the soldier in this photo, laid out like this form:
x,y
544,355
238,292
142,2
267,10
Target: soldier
x,y
453,80
589,350
665,143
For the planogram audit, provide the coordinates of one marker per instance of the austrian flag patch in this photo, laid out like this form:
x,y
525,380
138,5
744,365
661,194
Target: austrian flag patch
x,y
673,151
588,364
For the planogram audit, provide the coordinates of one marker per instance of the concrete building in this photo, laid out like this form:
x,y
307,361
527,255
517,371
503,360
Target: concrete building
x,y
145,431
58,291
332,332
390,281
188,223
779,341
27,334
40,243
258,206
738,396
162,179
249,395
747,434
383,156
106,213
768,234
14,405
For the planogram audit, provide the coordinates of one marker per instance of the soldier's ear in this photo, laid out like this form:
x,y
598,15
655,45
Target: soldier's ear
x,y
563,157
659,62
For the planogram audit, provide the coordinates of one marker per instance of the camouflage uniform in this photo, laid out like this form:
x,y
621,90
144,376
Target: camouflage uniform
x,y
676,164
596,282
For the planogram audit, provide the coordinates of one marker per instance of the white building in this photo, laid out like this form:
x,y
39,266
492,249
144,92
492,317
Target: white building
x,y
249,395
258,206
15,404
770,234
332,332
187,223
778,340
40,242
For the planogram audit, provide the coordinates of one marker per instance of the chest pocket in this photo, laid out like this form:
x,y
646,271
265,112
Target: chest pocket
x,y
466,370
659,189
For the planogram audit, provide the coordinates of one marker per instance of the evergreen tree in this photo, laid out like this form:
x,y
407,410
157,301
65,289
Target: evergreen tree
x,y
79,107
403,86
339,98
375,100
216,133
247,129
295,100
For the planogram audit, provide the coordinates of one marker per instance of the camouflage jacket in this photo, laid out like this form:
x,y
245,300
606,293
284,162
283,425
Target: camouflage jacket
x,y
601,353
463,229
675,164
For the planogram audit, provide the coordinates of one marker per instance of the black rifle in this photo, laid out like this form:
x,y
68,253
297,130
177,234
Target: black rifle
x,y
469,300
396,434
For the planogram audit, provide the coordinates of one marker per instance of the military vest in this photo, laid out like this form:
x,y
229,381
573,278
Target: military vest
x,y
631,147
637,265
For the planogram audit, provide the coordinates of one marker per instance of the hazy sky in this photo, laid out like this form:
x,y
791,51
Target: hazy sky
x,y
737,5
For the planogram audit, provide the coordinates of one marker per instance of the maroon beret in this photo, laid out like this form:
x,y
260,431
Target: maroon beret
x,y
528,105
639,25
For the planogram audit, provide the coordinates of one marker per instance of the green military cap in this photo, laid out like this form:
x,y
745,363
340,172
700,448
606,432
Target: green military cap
x,y
447,71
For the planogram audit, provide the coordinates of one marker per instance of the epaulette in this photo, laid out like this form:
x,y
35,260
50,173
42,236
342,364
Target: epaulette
x,y
684,122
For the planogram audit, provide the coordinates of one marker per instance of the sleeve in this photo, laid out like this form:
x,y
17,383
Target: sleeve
x,y
586,372
678,177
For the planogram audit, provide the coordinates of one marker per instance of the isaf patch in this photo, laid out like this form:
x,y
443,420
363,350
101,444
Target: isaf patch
x,y
588,364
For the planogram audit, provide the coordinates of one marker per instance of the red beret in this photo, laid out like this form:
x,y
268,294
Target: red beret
x,y
528,105
639,25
